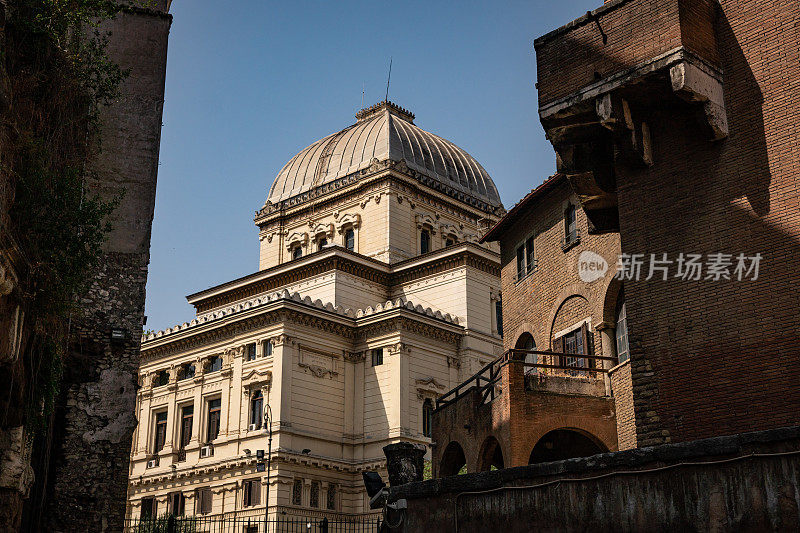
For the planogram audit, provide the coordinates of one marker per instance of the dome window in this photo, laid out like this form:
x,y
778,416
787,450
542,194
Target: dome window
x,y
424,241
350,239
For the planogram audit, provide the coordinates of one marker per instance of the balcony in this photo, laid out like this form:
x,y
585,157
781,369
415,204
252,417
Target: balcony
x,y
600,74
555,372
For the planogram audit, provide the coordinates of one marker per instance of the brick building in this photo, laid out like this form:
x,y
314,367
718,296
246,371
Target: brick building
x,y
540,413
688,143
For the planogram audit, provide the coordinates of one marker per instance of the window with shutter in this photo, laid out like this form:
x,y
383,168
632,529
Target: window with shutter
x,y
214,415
187,417
160,431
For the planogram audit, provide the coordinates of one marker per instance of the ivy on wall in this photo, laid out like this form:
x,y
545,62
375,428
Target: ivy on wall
x,y
60,77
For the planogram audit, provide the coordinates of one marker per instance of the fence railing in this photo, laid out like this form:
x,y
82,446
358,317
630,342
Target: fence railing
x,y
487,379
227,524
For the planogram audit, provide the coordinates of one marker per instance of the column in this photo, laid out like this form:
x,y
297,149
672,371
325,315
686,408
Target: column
x,y
144,414
281,389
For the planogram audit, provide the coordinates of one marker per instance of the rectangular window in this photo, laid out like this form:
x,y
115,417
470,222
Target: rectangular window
x,y
203,500
377,357
148,508
250,351
297,492
267,348
177,503
214,364
623,351
529,259
498,313
570,224
187,416
314,499
520,262
252,492
424,241
257,408
575,342
160,432
427,417
350,240
332,497
214,415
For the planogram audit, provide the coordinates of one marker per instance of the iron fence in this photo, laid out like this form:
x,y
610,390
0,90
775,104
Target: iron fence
x,y
225,524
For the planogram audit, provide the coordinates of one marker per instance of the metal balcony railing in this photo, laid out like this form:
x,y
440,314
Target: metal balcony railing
x,y
487,380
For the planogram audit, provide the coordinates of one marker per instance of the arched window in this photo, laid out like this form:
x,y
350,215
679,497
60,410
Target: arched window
x,y
256,409
322,243
427,417
350,239
424,241
526,342
297,252
623,350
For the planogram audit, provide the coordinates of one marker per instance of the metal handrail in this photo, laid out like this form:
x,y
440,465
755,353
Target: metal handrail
x,y
485,379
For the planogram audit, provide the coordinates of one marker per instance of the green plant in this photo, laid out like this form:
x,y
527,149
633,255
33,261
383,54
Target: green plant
x,y
162,525
54,53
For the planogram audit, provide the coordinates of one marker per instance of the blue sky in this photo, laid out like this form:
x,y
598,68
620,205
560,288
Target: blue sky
x,y
250,83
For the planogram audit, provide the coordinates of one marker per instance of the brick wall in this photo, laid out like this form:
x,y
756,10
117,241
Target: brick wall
x,y
553,297
707,357
622,388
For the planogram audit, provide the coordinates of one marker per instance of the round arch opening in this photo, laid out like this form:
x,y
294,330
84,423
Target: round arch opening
x,y
563,444
491,455
453,460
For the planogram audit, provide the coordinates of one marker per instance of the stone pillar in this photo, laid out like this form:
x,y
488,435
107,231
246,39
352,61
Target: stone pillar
x,y
405,462
281,391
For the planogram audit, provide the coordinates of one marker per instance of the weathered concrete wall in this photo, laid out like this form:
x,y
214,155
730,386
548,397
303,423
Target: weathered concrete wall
x,y
95,420
747,482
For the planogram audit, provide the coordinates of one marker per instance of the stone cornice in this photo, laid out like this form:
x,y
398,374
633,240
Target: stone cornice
x,y
364,325
342,260
329,259
247,464
347,187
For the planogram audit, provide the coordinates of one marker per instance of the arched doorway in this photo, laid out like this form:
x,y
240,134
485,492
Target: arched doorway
x,y
453,460
491,455
564,444
526,342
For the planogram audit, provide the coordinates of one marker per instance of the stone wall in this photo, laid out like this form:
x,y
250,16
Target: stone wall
x,y
747,482
87,482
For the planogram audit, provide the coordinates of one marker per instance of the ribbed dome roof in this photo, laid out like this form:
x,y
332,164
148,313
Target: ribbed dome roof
x,y
383,131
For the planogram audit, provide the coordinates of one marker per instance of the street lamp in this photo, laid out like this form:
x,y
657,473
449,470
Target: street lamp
x,y
268,426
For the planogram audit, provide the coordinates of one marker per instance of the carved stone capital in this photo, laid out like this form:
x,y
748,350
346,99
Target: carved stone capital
x,y
354,357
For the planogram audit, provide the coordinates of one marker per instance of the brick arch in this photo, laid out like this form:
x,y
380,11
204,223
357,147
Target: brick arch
x,y
600,428
576,289
611,292
565,443
527,327
452,460
491,454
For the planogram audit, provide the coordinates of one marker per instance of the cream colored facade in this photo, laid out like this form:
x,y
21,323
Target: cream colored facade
x,y
318,322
